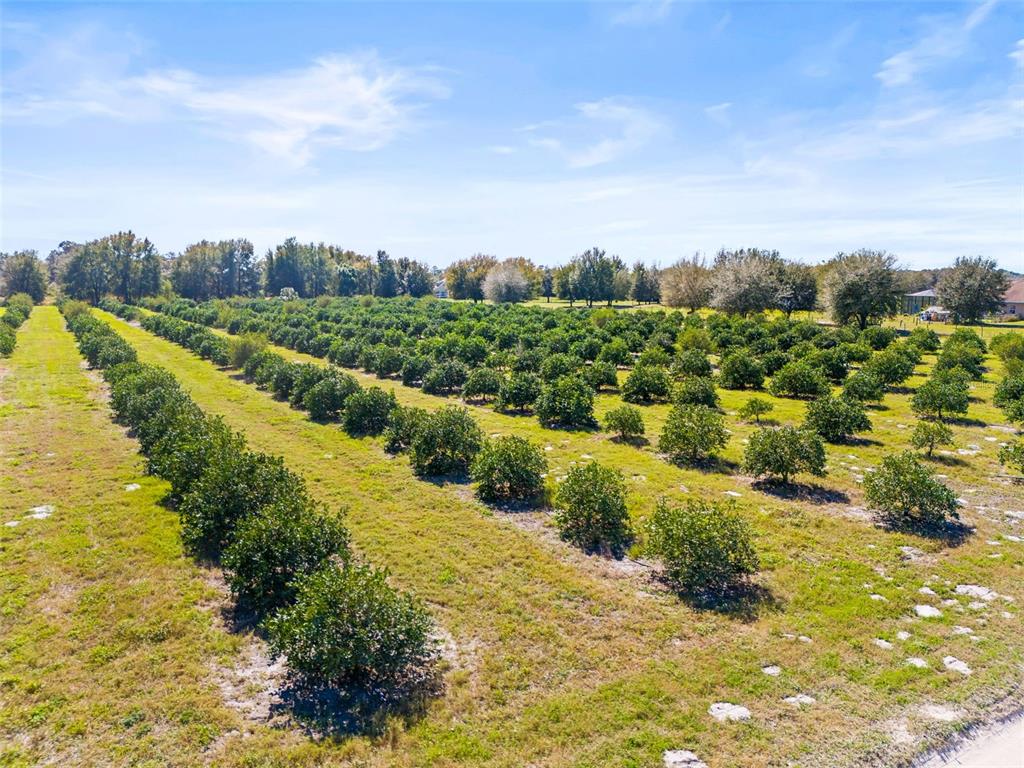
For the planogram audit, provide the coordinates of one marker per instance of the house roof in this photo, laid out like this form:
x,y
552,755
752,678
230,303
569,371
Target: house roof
x,y
1015,293
930,292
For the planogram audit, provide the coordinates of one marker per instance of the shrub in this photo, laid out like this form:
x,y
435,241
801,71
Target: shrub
x,y
783,452
8,340
755,408
404,423
878,337
961,355
590,509
692,432
283,380
740,370
482,383
445,378
230,489
367,412
258,368
1009,347
864,387
307,376
326,399
890,366
615,352
654,356
509,469
414,369
645,384
556,366
706,549
1009,390
798,379
625,421
907,494
924,339
929,434
242,348
273,548
692,362
833,363
519,391
967,337
1012,455
944,393
185,443
446,442
349,628
601,374
836,418
694,390
568,402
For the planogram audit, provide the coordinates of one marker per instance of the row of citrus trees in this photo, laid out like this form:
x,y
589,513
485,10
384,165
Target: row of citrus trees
x,y
17,308
336,620
706,549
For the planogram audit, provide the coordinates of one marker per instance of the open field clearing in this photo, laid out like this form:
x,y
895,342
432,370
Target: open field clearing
x,y
563,659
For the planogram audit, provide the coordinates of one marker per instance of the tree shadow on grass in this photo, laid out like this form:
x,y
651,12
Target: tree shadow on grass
x,y
952,533
963,421
325,712
949,461
746,601
856,440
708,465
809,492
636,442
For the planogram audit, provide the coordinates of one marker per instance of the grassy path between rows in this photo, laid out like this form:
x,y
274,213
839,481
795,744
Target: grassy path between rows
x,y
565,660
105,651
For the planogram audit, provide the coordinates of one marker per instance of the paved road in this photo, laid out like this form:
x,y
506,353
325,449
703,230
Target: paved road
x,y
1003,747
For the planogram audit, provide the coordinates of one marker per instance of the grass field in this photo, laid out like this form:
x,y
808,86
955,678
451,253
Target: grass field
x,y
562,659
112,647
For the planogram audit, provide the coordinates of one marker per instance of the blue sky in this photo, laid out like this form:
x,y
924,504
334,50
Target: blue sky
x,y
435,131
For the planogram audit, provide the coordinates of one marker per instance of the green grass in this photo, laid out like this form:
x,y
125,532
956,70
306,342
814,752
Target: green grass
x,y
569,660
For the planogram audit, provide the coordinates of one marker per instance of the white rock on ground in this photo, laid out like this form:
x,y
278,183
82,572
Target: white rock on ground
x,y
958,630
723,711
885,645
41,512
879,598
12,523
132,487
927,611
681,758
772,670
915,661
800,700
926,591
903,635
734,494
974,590
954,664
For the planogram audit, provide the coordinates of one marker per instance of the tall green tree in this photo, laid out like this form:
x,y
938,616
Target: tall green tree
x,y
86,275
387,277
862,286
645,284
134,266
22,272
595,276
687,283
973,288
465,278
798,290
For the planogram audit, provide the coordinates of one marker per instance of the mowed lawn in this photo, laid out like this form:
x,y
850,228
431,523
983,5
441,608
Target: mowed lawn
x,y
560,659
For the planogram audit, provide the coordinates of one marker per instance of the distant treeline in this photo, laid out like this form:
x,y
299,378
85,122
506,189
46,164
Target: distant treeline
x,y
860,286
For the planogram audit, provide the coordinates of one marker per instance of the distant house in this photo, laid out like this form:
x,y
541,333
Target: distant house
x,y
915,302
1013,299
441,289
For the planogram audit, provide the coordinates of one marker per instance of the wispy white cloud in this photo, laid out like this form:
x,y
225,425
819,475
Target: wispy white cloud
x,y
633,127
825,59
944,38
1017,54
642,13
719,113
355,102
